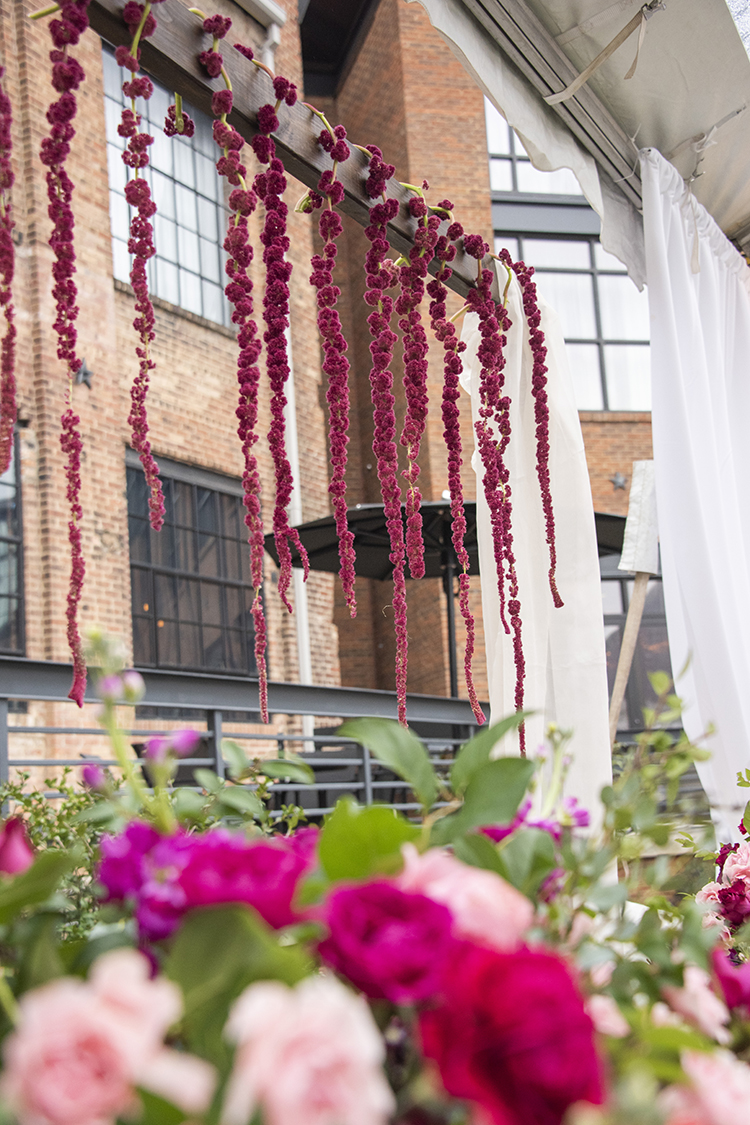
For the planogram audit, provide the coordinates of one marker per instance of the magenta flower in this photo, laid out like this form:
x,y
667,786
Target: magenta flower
x,y
178,744
733,978
16,852
94,777
389,943
8,409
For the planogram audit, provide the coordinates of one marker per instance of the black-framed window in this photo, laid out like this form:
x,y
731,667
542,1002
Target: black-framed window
x,y
188,268
604,318
652,647
542,218
190,582
11,560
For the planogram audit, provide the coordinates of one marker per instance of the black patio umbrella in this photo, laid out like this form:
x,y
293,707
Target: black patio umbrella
x,y
372,548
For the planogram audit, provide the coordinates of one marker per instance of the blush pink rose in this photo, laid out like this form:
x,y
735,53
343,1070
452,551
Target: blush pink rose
x,y
485,908
698,1004
681,1106
312,1054
737,864
720,1084
606,1016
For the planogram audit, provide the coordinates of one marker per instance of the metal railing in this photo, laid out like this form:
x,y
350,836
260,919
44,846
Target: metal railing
x,y
340,765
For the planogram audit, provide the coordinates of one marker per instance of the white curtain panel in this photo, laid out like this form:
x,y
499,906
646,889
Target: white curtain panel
x,y
566,680
699,297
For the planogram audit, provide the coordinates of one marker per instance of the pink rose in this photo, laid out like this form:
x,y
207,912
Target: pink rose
x,y
606,1016
721,1085
388,942
737,864
16,853
699,1004
484,907
312,1054
681,1106
709,895
81,1047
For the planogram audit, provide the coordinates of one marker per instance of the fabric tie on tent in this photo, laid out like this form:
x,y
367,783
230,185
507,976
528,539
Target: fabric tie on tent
x,y
566,678
700,356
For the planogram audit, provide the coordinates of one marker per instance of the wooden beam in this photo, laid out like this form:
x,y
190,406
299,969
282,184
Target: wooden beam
x,y
171,57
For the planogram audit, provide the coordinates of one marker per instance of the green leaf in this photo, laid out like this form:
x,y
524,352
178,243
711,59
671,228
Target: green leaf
x,y
399,749
529,856
606,895
208,780
235,757
357,842
187,803
103,812
746,817
36,884
476,752
492,796
157,1111
478,850
216,953
287,769
239,799
41,961
661,682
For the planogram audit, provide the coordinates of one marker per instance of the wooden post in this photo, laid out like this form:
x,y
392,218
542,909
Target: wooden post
x,y
627,650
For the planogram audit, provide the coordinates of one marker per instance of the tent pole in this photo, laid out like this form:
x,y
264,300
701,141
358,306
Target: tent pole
x,y
448,575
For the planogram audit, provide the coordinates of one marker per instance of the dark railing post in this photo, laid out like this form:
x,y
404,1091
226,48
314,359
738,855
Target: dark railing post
x,y
214,729
367,774
4,770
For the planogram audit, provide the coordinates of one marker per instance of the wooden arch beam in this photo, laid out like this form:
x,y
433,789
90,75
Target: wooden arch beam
x,y
171,57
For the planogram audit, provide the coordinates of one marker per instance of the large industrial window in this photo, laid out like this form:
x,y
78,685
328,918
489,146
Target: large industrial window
x,y
11,561
190,582
510,167
188,228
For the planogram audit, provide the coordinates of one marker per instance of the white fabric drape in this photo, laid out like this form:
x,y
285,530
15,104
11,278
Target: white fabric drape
x,y
699,296
566,680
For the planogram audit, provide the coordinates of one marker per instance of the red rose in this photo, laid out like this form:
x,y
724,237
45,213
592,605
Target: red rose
x,y
512,1035
388,943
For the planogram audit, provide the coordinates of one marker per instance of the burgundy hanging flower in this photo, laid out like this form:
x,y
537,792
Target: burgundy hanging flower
x,y
8,410
445,333
493,434
67,76
335,363
525,274
142,24
412,281
269,186
381,275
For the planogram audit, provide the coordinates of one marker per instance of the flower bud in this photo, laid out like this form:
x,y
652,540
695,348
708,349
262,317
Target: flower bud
x,y
110,689
16,853
133,687
94,777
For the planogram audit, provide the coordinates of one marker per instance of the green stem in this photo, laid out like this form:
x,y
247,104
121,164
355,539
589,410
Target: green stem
x,y
179,120
50,11
117,739
139,29
8,1001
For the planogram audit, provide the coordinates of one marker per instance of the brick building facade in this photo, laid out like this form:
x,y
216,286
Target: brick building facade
x,y
402,89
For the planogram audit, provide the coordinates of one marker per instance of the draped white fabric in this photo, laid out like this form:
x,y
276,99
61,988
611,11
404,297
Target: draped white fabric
x,y
566,679
699,296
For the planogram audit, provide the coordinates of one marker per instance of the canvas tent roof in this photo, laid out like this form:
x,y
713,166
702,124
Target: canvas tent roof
x,y
689,97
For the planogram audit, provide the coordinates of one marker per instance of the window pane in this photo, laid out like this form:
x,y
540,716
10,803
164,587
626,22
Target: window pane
x,y
143,641
183,503
207,223
605,260
118,173
138,531
230,508
190,646
501,175
184,549
213,648
187,212
190,292
498,136
163,548
208,510
120,260
587,378
8,513
167,285
166,595
208,555
160,152
211,604
560,182
572,295
140,586
509,244
624,310
167,644
232,564
188,245
235,606
183,163
628,376
163,191
8,568
556,252
112,76
158,104
112,118
214,306
188,599
654,599
165,238
611,597
236,652
206,176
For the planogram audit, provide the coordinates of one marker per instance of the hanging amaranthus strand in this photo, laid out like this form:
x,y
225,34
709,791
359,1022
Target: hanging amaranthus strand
x,y
335,363
270,187
411,279
445,333
67,76
525,274
142,24
239,292
493,434
381,275
8,409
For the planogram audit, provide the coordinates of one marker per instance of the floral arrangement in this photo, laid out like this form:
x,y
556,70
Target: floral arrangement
x,y
437,237
480,965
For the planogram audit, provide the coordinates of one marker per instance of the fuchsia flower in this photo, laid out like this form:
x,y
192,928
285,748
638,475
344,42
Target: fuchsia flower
x,y
178,744
94,777
8,410
16,852
733,978
512,1034
388,942
315,1046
